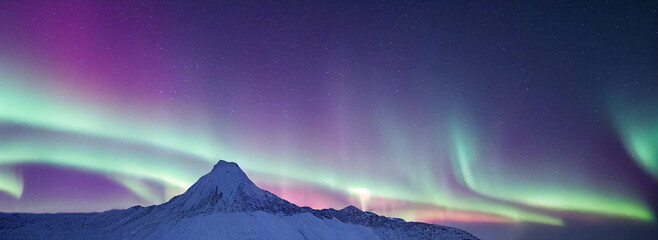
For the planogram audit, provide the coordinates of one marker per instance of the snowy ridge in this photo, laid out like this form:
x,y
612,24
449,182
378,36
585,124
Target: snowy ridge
x,y
223,204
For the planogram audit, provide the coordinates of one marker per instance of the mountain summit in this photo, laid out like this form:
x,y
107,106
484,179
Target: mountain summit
x,y
223,204
228,189
222,187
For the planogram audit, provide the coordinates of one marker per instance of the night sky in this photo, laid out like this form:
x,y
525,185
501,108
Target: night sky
x,y
505,119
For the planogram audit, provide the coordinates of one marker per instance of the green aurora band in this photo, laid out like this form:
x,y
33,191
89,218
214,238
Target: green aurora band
x,y
638,128
11,182
45,110
41,110
563,197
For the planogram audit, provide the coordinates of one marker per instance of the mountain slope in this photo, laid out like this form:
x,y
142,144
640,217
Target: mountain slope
x,y
223,204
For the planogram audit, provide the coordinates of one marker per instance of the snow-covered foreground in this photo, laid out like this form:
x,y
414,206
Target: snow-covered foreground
x,y
223,204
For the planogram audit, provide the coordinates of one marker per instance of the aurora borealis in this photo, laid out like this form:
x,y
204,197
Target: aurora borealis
x,y
454,112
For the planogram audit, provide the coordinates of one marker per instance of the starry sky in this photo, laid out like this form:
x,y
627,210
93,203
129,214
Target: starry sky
x,y
505,119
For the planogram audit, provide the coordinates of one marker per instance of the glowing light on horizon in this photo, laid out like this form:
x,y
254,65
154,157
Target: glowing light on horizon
x,y
364,195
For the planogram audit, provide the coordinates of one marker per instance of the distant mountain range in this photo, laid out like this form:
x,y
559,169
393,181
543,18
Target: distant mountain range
x,y
223,204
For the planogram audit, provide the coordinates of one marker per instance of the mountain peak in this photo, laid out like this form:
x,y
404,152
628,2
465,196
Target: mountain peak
x,y
226,169
226,188
225,165
219,189
224,177
352,209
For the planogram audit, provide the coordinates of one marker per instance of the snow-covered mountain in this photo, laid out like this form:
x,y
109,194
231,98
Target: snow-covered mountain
x,y
223,204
